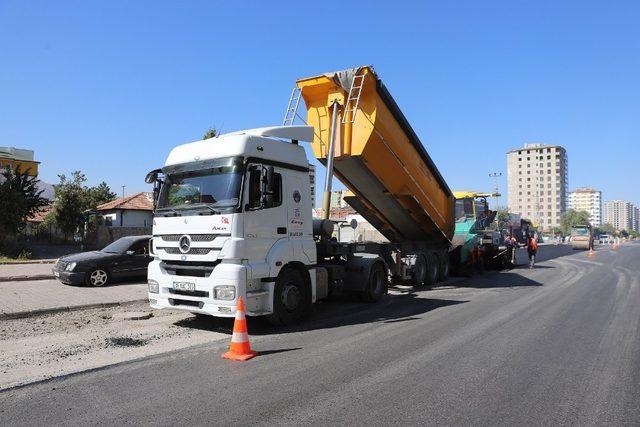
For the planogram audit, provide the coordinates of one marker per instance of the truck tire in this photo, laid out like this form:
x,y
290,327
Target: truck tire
x,y
290,297
443,273
419,274
433,270
376,283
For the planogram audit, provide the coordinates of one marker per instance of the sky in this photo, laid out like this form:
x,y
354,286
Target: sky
x,y
110,87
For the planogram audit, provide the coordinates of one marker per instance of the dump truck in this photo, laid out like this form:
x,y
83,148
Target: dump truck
x,y
233,213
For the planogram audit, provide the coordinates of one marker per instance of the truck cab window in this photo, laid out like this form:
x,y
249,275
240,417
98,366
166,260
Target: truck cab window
x,y
256,183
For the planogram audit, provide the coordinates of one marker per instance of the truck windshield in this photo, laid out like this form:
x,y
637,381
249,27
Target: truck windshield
x,y
211,189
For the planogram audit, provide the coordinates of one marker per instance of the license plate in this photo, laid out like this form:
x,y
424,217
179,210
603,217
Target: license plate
x,y
55,273
184,286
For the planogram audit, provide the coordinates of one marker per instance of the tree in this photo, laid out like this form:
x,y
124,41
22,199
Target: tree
x,y
99,195
20,198
210,133
502,217
71,202
572,218
606,229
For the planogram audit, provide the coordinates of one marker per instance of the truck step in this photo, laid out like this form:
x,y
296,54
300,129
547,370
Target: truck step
x,y
256,294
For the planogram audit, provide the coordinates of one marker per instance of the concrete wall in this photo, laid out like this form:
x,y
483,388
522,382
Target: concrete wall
x,y
105,235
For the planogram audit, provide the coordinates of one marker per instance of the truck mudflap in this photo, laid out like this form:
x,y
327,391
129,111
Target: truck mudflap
x,y
358,271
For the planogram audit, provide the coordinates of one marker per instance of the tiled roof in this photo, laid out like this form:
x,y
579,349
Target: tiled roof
x,y
39,216
136,202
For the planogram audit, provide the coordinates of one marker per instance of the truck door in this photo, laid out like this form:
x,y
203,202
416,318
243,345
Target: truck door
x,y
265,219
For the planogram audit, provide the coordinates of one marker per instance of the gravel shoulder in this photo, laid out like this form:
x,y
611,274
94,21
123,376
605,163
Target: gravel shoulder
x,y
42,347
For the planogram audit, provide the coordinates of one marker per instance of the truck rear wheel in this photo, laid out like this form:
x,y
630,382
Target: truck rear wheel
x,y
290,297
433,270
443,274
376,283
419,275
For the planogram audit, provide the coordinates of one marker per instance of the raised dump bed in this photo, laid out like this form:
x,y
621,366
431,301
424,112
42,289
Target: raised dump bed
x,y
377,155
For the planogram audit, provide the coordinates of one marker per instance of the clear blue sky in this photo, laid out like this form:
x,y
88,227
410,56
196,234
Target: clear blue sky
x,y
110,87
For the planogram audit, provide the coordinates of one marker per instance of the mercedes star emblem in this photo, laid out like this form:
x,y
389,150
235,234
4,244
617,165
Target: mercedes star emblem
x,y
185,244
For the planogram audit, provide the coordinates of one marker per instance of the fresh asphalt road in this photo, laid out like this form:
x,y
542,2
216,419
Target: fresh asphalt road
x,y
553,345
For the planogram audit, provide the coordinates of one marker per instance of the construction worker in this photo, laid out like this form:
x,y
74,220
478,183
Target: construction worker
x,y
532,248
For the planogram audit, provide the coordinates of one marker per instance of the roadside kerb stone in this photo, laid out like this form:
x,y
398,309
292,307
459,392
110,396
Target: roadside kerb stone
x,y
53,310
26,278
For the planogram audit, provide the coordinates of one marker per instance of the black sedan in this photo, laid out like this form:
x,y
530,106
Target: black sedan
x,y
127,257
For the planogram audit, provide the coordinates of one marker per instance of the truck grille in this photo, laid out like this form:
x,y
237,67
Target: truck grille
x,y
185,268
192,251
193,237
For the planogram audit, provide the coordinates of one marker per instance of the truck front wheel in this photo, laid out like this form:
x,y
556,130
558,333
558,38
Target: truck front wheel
x,y
290,297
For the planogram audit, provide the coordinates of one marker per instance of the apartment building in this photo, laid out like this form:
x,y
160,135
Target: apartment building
x,y
589,200
619,213
537,181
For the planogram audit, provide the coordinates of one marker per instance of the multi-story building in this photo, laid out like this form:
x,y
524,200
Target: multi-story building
x,y
619,213
636,219
19,159
537,180
589,200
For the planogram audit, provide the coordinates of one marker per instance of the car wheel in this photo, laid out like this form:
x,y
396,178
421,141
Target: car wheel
x,y
97,277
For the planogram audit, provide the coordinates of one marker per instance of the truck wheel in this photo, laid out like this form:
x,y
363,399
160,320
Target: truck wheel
x,y
290,299
433,270
443,274
419,274
376,284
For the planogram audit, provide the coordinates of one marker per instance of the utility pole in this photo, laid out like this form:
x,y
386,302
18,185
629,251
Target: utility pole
x,y
495,176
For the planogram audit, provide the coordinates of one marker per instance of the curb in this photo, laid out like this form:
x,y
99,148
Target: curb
x,y
33,313
26,278
35,261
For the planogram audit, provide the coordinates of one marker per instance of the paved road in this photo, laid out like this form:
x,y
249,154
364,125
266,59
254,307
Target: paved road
x,y
554,345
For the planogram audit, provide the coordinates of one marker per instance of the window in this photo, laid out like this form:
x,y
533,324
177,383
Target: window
x,y
139,248
257,183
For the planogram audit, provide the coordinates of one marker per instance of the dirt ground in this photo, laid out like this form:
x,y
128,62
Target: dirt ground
x,y
41,347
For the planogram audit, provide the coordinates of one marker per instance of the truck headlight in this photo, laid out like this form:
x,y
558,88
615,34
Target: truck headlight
x,y
70,266
224,292
153,286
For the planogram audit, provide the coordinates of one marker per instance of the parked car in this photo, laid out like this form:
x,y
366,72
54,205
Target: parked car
x,y
127,257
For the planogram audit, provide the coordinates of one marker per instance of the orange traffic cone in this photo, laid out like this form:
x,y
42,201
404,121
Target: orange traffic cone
x,y
240,348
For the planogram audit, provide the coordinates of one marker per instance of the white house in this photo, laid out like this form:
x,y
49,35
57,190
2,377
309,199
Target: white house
x,y
130,211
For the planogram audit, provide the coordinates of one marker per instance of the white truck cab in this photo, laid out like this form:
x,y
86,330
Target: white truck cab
x,y
232,214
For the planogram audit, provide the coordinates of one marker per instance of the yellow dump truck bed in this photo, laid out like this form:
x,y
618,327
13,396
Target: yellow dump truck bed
x,y
378,156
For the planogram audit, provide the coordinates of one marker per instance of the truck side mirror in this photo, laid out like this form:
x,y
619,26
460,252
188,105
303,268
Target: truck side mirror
x,y
152,176
269,187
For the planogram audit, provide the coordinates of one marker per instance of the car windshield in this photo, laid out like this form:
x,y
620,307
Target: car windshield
x,y
209,188
120,246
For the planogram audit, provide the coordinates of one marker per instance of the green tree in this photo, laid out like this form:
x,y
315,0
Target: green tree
x,y
502,217
71,202
572,218
20,198
210,133
100,194
606,229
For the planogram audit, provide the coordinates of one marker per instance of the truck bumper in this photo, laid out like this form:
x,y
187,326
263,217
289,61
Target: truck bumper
x,y
201,300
